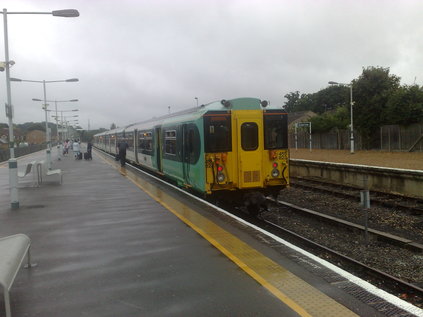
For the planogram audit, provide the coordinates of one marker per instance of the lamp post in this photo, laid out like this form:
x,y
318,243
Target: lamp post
x,y
62,121
66,121
196,98
13,164
59,149
44,82
351,109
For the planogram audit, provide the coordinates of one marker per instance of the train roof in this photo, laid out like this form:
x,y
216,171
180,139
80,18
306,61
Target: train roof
x,y
197,112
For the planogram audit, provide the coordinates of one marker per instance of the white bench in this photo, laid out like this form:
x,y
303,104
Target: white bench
x,y
40,167
12,253
28,170
56,172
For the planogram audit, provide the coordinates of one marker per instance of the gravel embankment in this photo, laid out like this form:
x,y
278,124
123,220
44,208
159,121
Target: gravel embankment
x,y
396,261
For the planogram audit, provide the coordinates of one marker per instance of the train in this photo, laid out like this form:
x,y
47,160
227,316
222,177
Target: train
x,y
233,149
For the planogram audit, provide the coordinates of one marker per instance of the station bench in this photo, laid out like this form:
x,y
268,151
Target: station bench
x,y
41,165
29,167
13,250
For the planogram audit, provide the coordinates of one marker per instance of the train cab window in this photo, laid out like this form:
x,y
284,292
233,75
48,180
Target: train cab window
x,y
249,136
275,131
170,142
217,131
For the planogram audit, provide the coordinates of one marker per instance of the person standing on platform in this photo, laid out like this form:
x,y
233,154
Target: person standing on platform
x,y
122,146
76,149
89,149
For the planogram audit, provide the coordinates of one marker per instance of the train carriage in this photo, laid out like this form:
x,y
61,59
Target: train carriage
x,y
233,146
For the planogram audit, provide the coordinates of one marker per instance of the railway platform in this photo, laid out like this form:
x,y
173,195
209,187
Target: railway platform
x,y
113,242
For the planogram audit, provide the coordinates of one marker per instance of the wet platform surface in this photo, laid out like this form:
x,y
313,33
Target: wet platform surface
x,y
105,247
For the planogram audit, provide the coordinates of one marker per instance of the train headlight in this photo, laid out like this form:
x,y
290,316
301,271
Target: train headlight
x,y
220,177
275,172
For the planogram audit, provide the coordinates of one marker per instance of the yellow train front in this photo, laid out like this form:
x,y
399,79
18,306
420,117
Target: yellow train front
x,y
246,150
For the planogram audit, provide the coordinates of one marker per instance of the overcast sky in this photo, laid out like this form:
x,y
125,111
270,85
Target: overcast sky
x,y
135,58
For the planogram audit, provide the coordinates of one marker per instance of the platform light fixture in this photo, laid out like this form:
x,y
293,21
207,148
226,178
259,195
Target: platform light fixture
x,y
44,82
351,109
58,138
13,163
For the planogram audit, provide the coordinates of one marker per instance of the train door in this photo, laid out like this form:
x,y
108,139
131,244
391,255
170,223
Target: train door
x,y
189,149
158,147
136,144
185,153
248,146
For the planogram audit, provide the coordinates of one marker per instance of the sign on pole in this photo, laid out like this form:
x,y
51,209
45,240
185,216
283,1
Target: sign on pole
x,y
303,124
9,110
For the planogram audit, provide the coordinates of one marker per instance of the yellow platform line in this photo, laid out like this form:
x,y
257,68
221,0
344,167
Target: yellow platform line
x,y
297,294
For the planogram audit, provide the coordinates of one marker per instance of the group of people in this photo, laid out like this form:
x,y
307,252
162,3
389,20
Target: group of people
x,y
75,145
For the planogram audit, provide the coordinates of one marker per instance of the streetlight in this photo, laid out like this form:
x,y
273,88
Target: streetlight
x,y
196,98
351,107
66,121
59,149
13,163
62,121
44,82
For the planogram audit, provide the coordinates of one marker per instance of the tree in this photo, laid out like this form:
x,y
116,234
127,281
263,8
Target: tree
x,y
331,98
291,104
113,126
324,100
338,119
372,91
297,102
405,106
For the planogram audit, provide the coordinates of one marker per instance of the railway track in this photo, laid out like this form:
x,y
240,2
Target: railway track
x,y
390,283
388,237
413,206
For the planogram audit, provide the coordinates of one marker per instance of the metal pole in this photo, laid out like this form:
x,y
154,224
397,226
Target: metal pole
x,y
59,144
296,138
13,163
352,128
310,134
48,150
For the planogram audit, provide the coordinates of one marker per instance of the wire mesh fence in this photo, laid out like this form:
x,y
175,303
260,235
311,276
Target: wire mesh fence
x,y
392,138
20,151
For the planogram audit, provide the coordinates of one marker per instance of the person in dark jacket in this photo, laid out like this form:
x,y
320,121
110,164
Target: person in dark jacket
x,y
122,146
89,151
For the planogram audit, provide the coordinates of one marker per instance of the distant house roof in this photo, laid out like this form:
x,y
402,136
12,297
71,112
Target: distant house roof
x,y
300,116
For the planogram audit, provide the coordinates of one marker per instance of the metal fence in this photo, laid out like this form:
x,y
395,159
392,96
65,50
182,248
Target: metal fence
x,y
20,151
336,140
392,138
399,138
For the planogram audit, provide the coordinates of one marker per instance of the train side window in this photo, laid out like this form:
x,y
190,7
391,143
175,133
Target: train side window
x,y
170,142
249,136
130,140
145,142
275,131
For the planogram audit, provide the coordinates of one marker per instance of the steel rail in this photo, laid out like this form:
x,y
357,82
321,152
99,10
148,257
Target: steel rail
x,y
391,238
377,197
396,283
